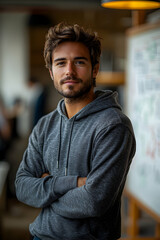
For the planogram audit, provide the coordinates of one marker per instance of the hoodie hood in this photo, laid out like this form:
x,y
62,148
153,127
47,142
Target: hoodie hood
x,y
104,100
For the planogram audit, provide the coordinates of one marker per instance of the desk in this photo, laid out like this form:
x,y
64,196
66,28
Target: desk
x,y
4,168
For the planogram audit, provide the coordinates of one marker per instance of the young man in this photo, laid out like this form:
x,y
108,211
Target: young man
x,y
79,155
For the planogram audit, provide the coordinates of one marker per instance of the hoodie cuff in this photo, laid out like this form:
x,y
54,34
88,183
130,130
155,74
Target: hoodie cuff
x,y
63,184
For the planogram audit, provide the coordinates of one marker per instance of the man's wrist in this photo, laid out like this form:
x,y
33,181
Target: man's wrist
x,y
45,175
81,181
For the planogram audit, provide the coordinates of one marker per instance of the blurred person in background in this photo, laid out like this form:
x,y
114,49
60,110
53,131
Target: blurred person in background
x,y
36,100
78,156
5,131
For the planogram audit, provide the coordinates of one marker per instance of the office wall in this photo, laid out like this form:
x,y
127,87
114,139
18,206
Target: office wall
x,y
14,69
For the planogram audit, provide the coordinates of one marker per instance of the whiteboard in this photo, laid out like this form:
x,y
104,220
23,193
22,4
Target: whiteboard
x,y
143,108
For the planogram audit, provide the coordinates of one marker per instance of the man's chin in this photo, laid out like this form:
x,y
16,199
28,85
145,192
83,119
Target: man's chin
x,y
73,94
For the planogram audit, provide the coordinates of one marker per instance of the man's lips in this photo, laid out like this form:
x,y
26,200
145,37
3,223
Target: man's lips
x,y
70,81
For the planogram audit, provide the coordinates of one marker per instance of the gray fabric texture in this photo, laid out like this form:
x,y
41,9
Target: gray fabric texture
x,y
97,143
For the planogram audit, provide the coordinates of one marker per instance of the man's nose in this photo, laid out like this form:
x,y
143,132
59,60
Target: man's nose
x,y
70,68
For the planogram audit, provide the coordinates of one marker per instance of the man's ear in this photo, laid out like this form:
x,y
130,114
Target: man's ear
x,y
95,70
51,73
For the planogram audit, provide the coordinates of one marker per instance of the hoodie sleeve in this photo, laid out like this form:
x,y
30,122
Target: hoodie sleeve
x,y
30,187
113,151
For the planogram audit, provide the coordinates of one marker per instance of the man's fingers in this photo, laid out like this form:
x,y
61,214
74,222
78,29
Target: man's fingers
x,y
81,181
45,175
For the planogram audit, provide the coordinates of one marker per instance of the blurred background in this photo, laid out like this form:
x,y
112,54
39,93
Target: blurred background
x,y
27,92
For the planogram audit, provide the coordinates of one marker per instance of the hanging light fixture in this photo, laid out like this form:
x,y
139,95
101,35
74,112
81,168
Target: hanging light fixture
x,y
131,4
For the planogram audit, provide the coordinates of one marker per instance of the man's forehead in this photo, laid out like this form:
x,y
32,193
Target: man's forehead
x,y
71,50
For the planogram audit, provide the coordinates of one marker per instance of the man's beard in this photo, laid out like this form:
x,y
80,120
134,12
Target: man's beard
x,y
75,94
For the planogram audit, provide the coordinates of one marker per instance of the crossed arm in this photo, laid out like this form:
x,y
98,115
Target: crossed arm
x,y
86,197
80,180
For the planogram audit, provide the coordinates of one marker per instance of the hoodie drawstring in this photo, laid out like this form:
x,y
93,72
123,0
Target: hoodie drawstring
x,y
59,147
70,137
69,144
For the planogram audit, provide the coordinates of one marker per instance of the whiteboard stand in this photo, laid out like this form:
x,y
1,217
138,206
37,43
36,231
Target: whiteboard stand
x,y
135,207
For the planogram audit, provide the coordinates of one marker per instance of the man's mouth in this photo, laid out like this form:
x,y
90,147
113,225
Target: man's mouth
x,y
70,81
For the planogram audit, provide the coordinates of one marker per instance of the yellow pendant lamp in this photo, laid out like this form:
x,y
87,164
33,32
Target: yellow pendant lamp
x,y
131,4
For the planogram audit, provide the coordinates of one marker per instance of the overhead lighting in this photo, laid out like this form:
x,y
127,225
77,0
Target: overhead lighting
x,y
131,4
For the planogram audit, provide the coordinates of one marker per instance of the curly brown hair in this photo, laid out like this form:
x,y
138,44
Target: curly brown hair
x,y
63,32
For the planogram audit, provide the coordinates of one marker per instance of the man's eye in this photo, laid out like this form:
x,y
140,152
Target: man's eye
x,y
60,63
79,62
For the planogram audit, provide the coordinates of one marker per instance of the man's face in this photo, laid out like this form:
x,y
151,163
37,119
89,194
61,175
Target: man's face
x,y
72,70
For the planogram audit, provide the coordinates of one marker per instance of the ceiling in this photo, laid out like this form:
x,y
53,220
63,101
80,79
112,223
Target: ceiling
x,y
52,3
90,10
114,20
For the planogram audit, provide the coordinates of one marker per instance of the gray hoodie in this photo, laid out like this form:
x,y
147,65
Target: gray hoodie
x,y
98,143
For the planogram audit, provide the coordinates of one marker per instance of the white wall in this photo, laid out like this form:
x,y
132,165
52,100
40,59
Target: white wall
x,y
14,56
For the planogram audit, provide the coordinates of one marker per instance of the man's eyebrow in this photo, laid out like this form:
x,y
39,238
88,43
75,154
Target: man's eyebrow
x,y
59,59
81,58
76,58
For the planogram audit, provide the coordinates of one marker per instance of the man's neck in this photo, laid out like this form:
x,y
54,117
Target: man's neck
x,y
73,106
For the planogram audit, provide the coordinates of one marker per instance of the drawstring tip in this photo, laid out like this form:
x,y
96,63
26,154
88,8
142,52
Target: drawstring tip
x,y
65,171
57,164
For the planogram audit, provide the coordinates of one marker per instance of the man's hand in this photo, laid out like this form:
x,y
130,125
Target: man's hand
x,y
45,175
81,181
